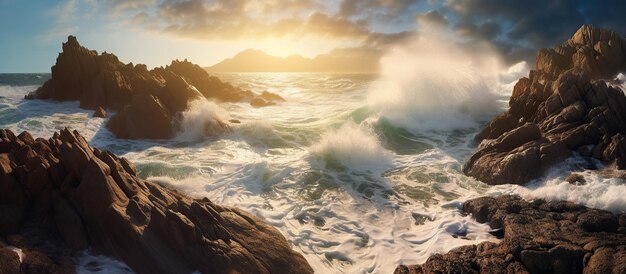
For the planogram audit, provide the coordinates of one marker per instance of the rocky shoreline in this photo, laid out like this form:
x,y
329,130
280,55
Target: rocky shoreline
x,y
147,103
567,105
536,237
59,196
570,104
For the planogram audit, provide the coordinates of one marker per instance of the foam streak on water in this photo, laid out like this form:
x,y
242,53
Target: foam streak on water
x,y
354,189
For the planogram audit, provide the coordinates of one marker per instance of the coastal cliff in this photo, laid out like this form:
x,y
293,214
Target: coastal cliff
x,y
148,103
59,196
568,104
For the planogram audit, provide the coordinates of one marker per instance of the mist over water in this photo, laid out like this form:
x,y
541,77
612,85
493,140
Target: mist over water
x,y
434,84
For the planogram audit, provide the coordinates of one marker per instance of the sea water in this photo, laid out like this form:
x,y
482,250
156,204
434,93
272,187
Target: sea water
x,y
359,172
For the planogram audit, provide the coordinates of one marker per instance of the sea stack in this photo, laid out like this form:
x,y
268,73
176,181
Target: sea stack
x,y
147,103
567,105
59,196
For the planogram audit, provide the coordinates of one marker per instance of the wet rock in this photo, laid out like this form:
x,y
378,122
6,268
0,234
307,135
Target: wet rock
x,y
9,261
269,96
598,221
260,102
141,97
576,179
607,260
101,204
145,117
539,237
100,112
573,108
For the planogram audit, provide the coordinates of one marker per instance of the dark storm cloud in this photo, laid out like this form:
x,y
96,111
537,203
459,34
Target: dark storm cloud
x,y
388,8
518,28
432,18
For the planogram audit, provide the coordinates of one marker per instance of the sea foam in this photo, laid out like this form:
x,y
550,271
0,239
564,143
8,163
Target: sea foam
x,y
622,78
603,188
598,191
352,146
94,264
201,119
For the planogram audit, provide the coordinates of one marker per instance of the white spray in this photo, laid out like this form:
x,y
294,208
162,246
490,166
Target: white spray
x,y
432,83
203,118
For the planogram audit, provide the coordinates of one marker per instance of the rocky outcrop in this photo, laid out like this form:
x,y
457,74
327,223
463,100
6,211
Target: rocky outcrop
x,y
59,196
537,237
136,93
100,113
567,105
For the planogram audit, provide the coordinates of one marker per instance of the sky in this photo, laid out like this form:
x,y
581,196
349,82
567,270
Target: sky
x,y
154,32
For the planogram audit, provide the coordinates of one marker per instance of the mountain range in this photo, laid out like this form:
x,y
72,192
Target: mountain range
x,y
338,60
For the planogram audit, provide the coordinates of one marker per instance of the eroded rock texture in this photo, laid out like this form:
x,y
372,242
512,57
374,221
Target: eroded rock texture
x,y
148,102
566,105
60,196
538,237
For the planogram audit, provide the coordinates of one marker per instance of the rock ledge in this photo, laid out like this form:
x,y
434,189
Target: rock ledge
x,y
60,196
537,237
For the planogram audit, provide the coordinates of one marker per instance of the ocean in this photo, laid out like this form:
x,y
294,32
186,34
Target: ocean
x,y
359,172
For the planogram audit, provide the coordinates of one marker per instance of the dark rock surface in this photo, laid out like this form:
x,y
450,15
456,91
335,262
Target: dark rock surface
x,y
140,96
59,196
100,112
538,237
566,105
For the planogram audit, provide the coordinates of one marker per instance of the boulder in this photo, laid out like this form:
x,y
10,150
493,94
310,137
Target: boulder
x,y
266,99
571,106
101,81
97,202
9,261
260,102
270,96
537,237
576,179
100,112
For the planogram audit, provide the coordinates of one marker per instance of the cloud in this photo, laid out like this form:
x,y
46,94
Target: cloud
x,y
234,20
122,5
432,18
63,17
519,27
386,8
514,28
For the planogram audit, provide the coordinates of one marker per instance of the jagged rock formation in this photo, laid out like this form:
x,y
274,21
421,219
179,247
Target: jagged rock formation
x,y
148,102
538,237
100,113
63,191
566,105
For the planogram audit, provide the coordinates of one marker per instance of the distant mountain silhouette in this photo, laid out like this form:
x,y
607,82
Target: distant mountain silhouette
x,y
338,60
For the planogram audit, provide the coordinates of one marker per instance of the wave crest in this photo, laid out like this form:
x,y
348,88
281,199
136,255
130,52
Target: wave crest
x,y
202,119
434,84
352,146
